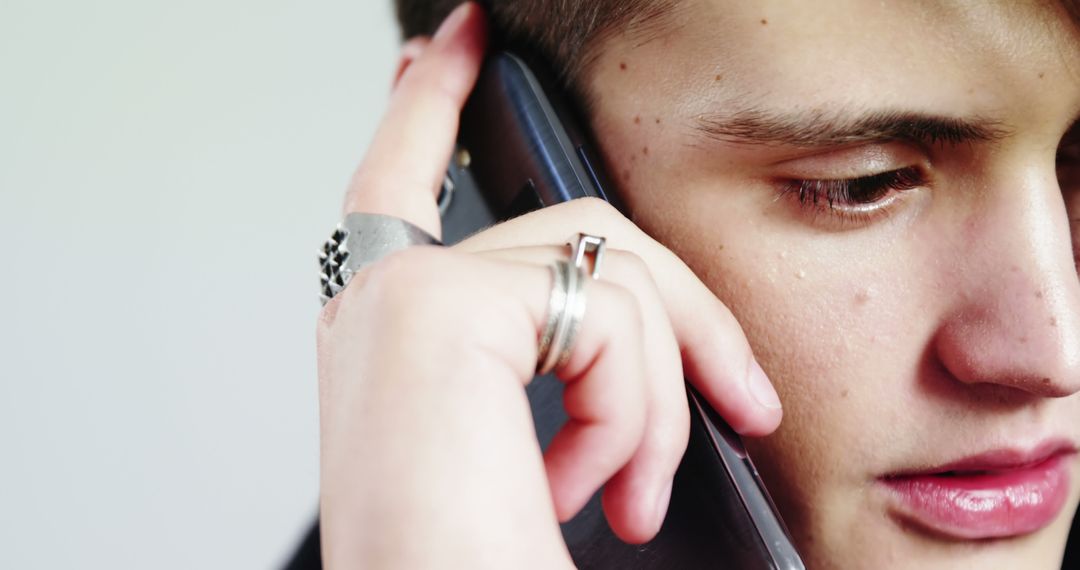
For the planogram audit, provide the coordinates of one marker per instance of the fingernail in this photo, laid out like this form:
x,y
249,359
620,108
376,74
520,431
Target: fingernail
x,y
761,389
662,502
452,22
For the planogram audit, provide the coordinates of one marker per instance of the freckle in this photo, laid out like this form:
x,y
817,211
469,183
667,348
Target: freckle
x,y
720,247
626,175
658,120
764,21
1038,294
719,77
1053,321
844,394
862,297
1041,75
637,120
800,275
645,150
622,66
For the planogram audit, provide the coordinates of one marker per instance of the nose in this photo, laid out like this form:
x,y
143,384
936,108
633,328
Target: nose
x,y
1016,317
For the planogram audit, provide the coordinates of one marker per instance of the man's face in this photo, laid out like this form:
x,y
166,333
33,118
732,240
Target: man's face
x,y
923,314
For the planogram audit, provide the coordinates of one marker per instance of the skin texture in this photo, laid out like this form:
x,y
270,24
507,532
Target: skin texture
x,y
943,325
926,325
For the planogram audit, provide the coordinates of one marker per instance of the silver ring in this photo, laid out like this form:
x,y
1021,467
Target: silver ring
x,y
566,304
575,313
566,309
556,305
584,244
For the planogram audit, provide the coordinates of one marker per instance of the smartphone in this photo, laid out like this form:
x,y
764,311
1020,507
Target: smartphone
x,y
521,148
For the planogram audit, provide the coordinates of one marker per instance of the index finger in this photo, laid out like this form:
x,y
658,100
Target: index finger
x,y
406,162
717,357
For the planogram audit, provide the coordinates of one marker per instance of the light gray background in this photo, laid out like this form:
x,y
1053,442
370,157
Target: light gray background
x,y
167,171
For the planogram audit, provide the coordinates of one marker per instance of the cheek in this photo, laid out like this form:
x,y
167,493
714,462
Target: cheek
x,y
828,318
829,338
832,326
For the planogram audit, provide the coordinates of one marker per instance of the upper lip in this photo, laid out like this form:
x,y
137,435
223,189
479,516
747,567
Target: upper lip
x,y
1002,459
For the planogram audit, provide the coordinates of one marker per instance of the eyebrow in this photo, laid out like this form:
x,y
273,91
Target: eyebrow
x,y
835,128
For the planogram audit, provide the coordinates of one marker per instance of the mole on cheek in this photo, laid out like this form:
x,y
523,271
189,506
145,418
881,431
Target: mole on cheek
x,y
622,66
645,150
637,120
764,22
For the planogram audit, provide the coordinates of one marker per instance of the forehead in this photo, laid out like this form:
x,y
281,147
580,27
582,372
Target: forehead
x,y
932,56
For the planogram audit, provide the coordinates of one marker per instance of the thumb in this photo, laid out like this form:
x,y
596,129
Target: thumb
x,y
407,160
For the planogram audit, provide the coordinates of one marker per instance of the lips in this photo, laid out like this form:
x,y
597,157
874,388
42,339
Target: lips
x,y
998,494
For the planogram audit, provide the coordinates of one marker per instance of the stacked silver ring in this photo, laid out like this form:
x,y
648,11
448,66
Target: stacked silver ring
x,y
566,304
566,307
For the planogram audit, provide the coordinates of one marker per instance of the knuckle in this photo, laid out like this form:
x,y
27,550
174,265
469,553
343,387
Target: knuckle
x,y
631,265
597,209
625,428
401,279
631,293
626,309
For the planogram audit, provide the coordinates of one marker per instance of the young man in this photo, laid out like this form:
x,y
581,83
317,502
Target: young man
x,y
880,196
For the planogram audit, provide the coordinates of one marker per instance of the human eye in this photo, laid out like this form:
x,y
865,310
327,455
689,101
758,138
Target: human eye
x,y
859,199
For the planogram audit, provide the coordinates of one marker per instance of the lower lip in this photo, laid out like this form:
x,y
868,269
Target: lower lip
x,y
1009,502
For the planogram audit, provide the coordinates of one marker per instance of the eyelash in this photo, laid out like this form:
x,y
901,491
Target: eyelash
x,y
850,197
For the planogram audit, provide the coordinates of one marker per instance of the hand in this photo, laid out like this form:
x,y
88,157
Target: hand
x,y
428,452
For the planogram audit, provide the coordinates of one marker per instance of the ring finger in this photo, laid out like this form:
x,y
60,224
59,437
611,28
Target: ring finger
x,y
636,499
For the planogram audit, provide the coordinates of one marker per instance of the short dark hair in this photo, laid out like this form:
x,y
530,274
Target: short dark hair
x,y
562,32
